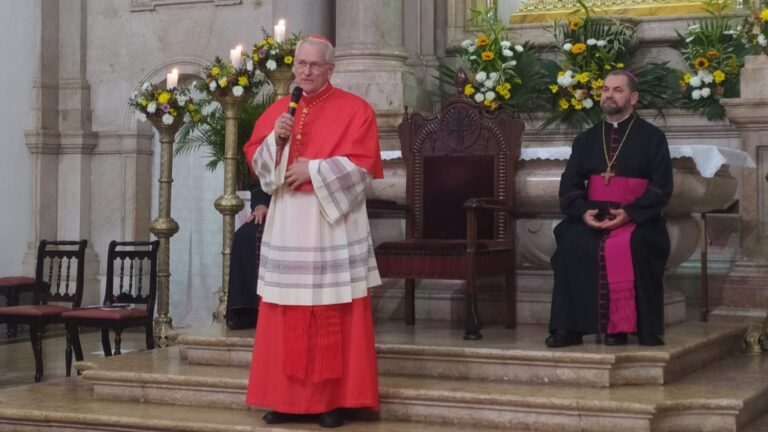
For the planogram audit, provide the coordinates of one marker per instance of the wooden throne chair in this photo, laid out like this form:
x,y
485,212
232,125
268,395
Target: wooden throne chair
x,y
460,189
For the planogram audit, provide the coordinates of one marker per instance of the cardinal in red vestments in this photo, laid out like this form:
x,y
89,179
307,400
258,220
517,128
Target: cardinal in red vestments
x,y
314,350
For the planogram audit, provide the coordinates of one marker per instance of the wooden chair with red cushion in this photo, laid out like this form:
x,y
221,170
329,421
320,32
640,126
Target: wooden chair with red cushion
x,y
12,287
133,266
460,190
58,279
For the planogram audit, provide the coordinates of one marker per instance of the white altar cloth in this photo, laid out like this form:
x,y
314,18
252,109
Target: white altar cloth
x,y
708,158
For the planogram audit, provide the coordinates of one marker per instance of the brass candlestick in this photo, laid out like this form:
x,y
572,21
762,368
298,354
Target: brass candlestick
x,y
164,227
228,204
281,79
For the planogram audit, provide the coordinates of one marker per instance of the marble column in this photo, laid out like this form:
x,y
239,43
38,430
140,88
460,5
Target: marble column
x,y
307,17
61,140
745,291
424,38
371,62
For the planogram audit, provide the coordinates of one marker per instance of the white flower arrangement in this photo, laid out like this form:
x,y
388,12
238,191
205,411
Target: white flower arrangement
x,y
163,105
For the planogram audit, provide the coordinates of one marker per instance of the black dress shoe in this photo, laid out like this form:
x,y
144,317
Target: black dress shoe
x,y
274,417
616,339
563,338
332,419
650,340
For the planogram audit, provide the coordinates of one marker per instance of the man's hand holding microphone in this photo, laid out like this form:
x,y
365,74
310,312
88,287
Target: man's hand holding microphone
x,y
298,172
284,123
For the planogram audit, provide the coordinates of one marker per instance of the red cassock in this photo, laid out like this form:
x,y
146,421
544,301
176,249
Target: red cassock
x,y
356,384
312,359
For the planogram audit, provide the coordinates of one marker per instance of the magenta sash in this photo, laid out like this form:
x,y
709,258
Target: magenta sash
x,y
618,254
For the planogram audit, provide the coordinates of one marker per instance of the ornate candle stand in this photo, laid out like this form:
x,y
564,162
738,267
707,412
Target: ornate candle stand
x,y
281,79
228,204
164,227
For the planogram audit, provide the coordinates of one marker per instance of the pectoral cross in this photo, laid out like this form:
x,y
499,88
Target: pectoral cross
x,y
607,175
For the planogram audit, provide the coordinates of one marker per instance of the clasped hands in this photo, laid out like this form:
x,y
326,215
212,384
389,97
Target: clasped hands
x,y
298,173
617,218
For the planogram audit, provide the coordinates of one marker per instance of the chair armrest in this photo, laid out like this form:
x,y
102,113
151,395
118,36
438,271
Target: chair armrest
x,y
488,204
386,207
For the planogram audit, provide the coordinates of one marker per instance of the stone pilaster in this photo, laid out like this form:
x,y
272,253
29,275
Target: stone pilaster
x,y
61,140
307,17
745,286
371,61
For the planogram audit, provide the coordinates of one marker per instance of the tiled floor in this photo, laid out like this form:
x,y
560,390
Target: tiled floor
x,y
17,363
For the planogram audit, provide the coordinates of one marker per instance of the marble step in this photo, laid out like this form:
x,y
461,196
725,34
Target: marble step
x,y
720,397
518,355
67,405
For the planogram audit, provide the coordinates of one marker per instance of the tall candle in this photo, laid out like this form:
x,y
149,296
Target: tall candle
x,y
236,56
280,30
172,79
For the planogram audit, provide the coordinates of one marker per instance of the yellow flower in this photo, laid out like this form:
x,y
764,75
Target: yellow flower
x,y
270,41
764,14
718,75
143,102
554,88
579,48
563,102
164,97
223,82
713,54
469,90
687,77
215,71
262,43
607,67
575,23
576,104
487,55
561,73
172,112
482,40
492,104
190,107
596,84
243,81
619,65
701,63
196,117
288,59
503,90
583,77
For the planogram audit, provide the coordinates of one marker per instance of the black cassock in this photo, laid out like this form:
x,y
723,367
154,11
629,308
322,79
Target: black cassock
x,y
579,298
242,301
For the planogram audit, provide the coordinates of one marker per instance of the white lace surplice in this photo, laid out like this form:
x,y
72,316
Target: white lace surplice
x,y
317,247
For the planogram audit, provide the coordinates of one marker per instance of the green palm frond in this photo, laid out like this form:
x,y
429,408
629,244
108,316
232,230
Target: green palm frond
x,y
208,133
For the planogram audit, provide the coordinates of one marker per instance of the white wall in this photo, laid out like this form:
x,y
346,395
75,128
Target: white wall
x,y
19,49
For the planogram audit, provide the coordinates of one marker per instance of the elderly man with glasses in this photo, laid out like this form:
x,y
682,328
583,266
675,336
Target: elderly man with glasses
x,y
314,351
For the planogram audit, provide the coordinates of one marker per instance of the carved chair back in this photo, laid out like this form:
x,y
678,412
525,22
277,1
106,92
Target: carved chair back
x,y
60,272
462,153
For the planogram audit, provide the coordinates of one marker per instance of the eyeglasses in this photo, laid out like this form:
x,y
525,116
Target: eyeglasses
x,y
302,65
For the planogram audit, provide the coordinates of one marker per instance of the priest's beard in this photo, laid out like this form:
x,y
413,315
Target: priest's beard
x,y
612,108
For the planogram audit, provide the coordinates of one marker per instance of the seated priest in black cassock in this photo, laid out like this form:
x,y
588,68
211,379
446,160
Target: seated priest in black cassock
x,y
612,245
242,301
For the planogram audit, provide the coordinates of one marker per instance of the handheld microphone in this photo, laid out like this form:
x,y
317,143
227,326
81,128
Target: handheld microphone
x,y
295,97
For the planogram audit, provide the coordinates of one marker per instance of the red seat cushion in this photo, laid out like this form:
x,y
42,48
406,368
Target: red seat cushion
x,y
16,280
109,314
33,310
